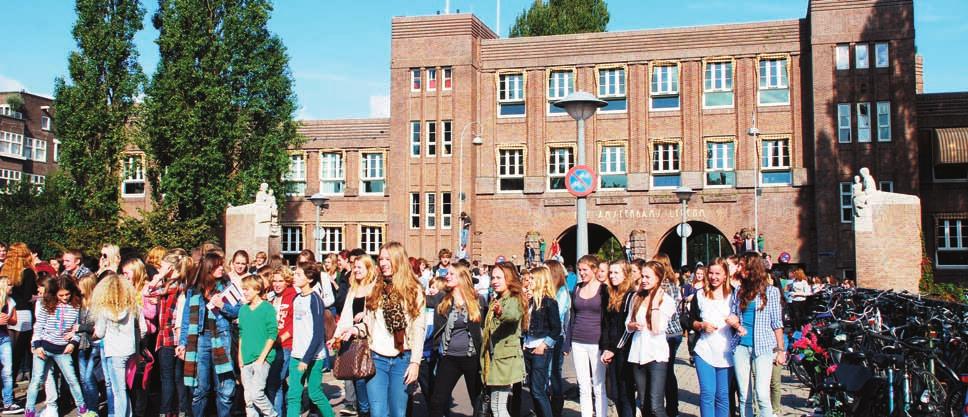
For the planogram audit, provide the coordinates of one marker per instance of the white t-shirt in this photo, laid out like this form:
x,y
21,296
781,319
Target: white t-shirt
x,y
714,347
802,287
307,319
325,289
648,346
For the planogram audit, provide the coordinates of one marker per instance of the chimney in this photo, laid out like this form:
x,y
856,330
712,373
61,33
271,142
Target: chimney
x,y
919,74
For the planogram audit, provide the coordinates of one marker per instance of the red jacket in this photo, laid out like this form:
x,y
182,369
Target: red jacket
x,y
283,305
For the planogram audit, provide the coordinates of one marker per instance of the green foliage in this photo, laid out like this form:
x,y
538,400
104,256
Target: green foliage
x,y
559,17
219,110
157,227
611,250
33,217
15,102
945,291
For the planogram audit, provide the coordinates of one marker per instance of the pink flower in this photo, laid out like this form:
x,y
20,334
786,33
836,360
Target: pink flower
x,y
831,369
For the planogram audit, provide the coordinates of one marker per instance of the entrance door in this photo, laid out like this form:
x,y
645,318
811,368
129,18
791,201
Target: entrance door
x,y
705,244
600,242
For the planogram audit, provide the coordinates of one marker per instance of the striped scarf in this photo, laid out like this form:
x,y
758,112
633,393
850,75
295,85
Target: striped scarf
x,y
223,366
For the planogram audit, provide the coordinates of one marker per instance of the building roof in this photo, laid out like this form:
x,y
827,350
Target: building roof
x,y
942,110
373,132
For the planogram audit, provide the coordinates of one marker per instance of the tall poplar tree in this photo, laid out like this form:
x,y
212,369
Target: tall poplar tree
x,y
219,109
96,104
558,17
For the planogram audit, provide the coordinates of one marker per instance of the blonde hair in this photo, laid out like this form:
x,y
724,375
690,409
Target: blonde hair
x,y
18,259
139,275
154,256
114,296
371,272
405,283
465,285
4,291
254,282
542,284
670,273
616,293
335,264
284,272
181,263
114,254
86,284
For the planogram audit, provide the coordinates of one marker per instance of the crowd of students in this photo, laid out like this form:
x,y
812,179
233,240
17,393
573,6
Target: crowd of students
x,y
208,332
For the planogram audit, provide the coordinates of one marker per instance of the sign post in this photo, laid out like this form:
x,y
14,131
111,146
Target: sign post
x,y
580,182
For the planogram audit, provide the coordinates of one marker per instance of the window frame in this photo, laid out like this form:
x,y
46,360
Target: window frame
x,y
961,229
446,210
552,93
8,177
415,215
57,144
882,184
341,171
431,79
783,76
519,87
861,122
848,128
415,138
675,159
888,125
364,243
554,163
862,61
447,137
45,122
41,150
125,179
286,237
430,148
604,168
886,54
326,239
288,175
610,82
430,214
447,78
842,57
788,157
661,94
416,80
728,63
522,166
846,201
363,174
14,144
718,157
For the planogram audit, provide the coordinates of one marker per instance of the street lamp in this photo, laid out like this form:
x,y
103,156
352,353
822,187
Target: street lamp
x,y
477,140
755,133
581,105
319,200
684,194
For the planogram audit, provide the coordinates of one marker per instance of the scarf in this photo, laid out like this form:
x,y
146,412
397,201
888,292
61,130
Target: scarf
x,y
223,367
393,315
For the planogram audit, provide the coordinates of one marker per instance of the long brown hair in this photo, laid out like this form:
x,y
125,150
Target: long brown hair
x,y
670,273
558,273
660,270
755,282
139,276
465,284
405,283
727,288
54,285
616,293
18,259
204,280
513,281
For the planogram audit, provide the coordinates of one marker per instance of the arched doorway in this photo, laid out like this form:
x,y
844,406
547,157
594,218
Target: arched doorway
x,y
599,239
705,243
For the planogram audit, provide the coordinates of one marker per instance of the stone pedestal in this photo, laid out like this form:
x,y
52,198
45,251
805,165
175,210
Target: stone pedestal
x,y
253,227
887,241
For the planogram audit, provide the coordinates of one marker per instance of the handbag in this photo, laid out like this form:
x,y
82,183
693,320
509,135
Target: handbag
x,y
483,404
354,360
138,367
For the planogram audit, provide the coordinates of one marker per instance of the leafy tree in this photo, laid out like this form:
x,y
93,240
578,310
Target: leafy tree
x,y
96,106
558,17
219,110
34,217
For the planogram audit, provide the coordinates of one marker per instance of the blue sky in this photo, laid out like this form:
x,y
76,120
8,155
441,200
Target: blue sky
x,y
341,50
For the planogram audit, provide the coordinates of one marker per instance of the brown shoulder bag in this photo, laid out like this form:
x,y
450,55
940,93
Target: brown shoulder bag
x,y
354,360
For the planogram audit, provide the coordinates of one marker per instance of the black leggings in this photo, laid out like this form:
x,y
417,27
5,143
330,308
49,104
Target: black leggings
x,y
449,371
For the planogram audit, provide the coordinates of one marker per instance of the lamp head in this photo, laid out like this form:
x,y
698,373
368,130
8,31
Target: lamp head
x,y
318,199
478,140
684,193
580,105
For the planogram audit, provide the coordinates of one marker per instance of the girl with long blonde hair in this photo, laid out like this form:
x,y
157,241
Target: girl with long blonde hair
x,y
8,316
117,311
23,286
110,259
672,286
363,273
714,361
502,361
586,338
559,275
544,326
88,349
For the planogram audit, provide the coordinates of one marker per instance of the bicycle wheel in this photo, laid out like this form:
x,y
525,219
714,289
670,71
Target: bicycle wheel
x,y
924,385
796,368
954,407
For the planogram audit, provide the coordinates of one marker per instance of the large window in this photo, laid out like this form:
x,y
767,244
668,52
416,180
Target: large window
x,y
7,179
560,85
6,110
614,174
843,57
35,149
883,121
843,123
510,169
431,138
863,122
776,162
371,238
448,77
37,181
447,137
431,79
774,82
414,210
611,89
720,163
292,241
415,139
560,160
372,175
133,173
431,199
953,242
846,202
12,144
330,240
861,56
510,95
665,165
296,177
446,211
331,178
665,87
718,85
415,80
881,55
45,122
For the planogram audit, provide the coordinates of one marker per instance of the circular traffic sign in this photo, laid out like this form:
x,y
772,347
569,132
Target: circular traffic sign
x,y
684,230
580,180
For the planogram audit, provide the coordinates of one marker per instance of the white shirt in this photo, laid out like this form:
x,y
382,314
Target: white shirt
x,y
714,347
325,289
648,345
802,287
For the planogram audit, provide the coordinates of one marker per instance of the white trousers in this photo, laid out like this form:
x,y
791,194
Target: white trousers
x,y
590,372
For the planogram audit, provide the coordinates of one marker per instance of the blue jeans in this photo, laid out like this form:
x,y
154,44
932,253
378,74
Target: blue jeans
x,y
6,358
41,367
761,368
650,382
114,370
278,371
362,400
554,371
536,367
385,390
107,383
171,370
671,383
713,389
87,363
207,379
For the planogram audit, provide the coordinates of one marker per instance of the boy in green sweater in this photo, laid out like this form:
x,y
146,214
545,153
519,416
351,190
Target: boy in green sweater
x,y
257,334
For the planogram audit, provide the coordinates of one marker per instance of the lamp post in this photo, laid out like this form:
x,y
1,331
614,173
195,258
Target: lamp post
x,y
755,133
684,194
477,140
581,105
319,200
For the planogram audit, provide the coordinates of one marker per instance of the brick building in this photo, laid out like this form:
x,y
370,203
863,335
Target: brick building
x,y
28,148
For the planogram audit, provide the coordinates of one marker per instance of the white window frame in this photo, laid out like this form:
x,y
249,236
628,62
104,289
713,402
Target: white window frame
x,y
780,67
560,160
842,56
960,228
416,80
367,158
884,185
510,90
446,210
844,121
292,239
720,158
447,78
6,110
718,78
45,122
883,108
137,178
430,214
35,149
613,161
446,137
414,211
863,123
37,181
561,83
8,177
430,150
664,82
882,55
431,79
371,238
770,147
862,56
57,144
666,157
612,82
293,174
846,201
12,145
415,139
511,165
336,174
330,240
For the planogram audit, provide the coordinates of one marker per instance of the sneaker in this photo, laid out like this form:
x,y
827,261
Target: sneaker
x,y
348,410
50,411
12,409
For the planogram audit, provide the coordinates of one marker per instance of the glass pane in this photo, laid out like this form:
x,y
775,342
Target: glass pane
x,y
718,99
614,181
775,96
374,186
665,102
721,178
953,258
615,104
512,184
665,180
777,177
556,183
516,109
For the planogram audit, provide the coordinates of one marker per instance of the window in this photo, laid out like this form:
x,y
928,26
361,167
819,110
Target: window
x,y
12,144
951,172
510,169
37,181
846,202
331,174
415,139
6,110
35,149
776,162
7,179
448,73
613,168
431,199
510,95
774,82
45,122
720,164
860,54
665,165
560,160
843,57
447,140
887,186
560,85
883,121
863,122
718,85
843,123
292,240
296,177
134,176
56,150
665,87
446,211
953,242
431,139
611,88
330,240
371,239
372,173
414,210
431,79
415,81
881,57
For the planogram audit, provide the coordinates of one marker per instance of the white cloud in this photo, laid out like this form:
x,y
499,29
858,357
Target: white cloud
x,y
379,106
10,84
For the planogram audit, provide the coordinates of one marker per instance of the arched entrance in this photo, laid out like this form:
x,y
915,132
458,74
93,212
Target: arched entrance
x,y
705,243
599,239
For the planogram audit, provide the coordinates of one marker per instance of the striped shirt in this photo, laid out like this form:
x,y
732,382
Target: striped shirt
x,y
50,328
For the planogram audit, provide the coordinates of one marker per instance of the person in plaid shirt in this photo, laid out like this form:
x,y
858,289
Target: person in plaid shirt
x,y
165,290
